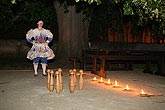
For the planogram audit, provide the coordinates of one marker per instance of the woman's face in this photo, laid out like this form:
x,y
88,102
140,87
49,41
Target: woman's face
x,y
40,24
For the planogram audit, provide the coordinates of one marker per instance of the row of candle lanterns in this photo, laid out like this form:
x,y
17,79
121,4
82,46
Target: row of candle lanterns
x,y
115,85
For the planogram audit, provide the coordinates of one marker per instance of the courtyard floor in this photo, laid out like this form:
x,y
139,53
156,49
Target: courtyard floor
x,y
20,90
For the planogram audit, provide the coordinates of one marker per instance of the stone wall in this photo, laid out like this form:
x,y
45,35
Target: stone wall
x,y
22,47
17,47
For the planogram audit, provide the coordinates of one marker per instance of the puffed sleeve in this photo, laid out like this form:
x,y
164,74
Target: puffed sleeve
x,y
49,36
30,36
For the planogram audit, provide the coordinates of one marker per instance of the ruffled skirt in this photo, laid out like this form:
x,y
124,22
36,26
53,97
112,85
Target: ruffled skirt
x,y
40,50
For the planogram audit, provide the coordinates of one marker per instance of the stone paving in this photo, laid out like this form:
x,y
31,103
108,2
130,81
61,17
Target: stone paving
x,y
20,90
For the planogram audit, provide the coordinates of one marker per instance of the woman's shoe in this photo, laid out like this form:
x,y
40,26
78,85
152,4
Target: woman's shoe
x,y
35,75
44,74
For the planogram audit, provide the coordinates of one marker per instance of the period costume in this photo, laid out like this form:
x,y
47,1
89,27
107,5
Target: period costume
x,y
40,50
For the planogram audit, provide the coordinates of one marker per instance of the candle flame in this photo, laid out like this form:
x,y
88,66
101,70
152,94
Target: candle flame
x,y
127,87
101,80
116,83
109,81
142,92
94,79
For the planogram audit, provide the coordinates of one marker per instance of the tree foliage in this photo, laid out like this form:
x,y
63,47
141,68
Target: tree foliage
x,y
145,9
25,12
150,13
145,12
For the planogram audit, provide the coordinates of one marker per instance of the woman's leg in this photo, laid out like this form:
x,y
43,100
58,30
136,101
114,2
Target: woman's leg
x,y
44,64
35,65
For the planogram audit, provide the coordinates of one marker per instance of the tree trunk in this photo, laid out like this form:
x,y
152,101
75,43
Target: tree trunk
x,y
73,33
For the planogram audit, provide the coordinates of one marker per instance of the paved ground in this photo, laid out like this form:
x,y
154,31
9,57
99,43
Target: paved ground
x,y
19,90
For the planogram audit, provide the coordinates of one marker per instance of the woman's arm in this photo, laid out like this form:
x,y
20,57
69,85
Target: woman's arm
x,y
30,36
49,36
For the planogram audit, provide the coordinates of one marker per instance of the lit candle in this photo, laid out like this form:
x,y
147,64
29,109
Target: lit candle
x,y
108,82
142,92
101,80
115,85
127,87
94,79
